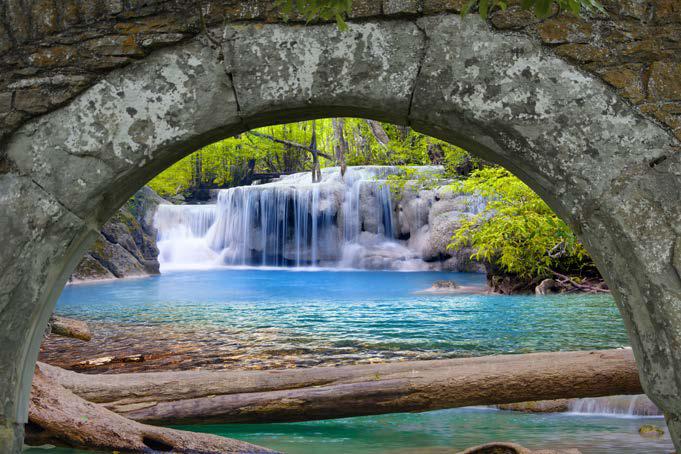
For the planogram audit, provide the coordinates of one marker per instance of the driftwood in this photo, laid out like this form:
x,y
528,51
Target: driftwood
x,y
335,392
68,327
567,281
57,416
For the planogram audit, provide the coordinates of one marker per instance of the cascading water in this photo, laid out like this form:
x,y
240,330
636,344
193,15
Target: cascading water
x,y
343,221
626,406
181,234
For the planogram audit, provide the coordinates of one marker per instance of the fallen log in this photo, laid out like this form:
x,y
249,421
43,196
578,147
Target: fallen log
x,y
191,397
68,327
59,417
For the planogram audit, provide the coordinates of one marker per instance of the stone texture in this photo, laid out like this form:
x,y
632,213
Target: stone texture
x,y
44,237
665,81
90,268
540,109
627,79
57,38
394,7
315,66
121,122
126,245
565,28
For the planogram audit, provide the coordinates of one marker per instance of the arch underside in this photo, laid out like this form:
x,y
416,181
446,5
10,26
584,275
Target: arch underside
x,y
610,173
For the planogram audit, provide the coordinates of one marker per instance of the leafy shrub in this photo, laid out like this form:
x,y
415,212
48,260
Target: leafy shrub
x,y
517,230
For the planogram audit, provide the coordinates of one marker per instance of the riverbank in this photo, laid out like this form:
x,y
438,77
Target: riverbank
x,y
256,319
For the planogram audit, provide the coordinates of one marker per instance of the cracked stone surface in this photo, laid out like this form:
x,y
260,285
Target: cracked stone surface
x,y
369,69
610,171
125,122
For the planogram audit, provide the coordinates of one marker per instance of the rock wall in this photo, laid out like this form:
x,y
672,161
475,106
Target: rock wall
x,y
126,245
52,50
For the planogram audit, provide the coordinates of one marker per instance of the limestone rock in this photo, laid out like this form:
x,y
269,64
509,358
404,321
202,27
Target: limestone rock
x,y
126,245
547,286
89,268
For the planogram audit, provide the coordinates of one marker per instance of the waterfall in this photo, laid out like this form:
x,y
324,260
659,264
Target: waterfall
x,y
638,405
181,230
342,221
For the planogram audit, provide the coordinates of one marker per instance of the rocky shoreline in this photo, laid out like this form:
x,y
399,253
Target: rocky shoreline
x,y
126,245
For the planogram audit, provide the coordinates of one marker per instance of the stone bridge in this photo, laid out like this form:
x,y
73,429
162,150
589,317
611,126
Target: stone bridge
x,y
98,96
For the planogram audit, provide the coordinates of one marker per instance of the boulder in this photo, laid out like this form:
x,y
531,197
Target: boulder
x,y
126,245
440,231
89,268
547,286
444,284
512,448
461,262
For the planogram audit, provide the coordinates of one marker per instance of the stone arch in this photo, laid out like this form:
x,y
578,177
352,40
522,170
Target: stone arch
x,y
608,171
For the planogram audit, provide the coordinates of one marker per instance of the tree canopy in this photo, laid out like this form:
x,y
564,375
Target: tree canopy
x,y
287,148
517,229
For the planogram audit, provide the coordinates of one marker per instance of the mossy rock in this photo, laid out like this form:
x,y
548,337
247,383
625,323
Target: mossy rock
x,y
650,430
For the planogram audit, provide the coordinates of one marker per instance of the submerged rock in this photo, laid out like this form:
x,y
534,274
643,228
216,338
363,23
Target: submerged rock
x,y
547,286
445,287
538,406
650,430
513,448
445,284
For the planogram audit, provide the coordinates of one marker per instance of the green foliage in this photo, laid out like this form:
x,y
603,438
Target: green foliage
x,y
317,9
225,163
541,8
418,179
455,159
339,9
517,230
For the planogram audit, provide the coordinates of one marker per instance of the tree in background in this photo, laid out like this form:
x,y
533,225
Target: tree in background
x,y
517,231
290,148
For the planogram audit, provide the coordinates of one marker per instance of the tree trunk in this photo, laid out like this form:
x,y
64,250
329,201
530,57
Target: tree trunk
x,y
289,143
379,133
316,171
336,392
59,417
341,144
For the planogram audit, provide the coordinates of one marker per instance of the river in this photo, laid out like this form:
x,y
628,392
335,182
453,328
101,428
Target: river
x,y
257,318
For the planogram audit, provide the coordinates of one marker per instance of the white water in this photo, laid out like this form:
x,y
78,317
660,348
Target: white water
x,y
622,406
344,222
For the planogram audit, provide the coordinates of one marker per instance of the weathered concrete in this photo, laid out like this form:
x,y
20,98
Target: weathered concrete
x,y
606,169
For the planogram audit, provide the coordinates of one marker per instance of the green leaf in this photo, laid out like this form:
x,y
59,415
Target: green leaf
x,y
542,8
484,8
467,7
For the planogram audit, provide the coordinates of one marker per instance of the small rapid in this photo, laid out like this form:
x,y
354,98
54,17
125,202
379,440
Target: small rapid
x,y
620,406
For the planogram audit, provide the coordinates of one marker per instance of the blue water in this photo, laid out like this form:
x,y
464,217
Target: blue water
x,y
373,311
332,317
